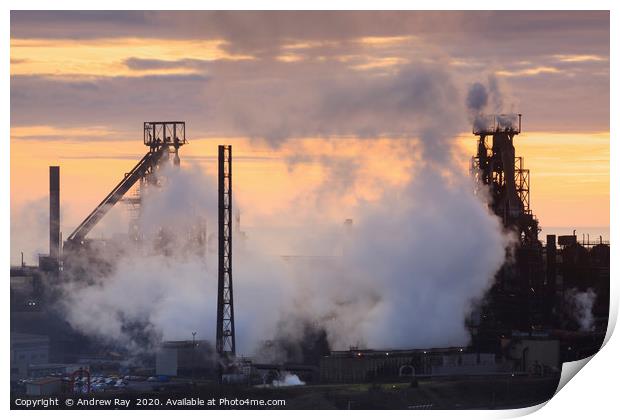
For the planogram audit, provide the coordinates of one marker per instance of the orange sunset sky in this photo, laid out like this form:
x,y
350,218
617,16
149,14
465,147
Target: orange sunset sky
x,y
338,86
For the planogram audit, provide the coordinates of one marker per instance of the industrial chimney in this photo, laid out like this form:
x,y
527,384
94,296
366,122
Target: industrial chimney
x,y
55,213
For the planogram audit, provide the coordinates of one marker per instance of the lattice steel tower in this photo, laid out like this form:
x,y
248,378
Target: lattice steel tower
x,y
225,335
516,300
162,138
496,166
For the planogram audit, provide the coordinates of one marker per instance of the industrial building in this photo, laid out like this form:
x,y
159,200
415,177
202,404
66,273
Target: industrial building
x,y
43,370
185,358
519,356
44,387
27,350
528,292
534,355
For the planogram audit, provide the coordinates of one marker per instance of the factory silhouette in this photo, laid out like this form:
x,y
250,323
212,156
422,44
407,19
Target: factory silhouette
x,y
528,323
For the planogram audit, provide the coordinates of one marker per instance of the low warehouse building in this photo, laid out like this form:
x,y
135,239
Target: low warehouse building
x,y
535,356
44,387
355,366
185,358
27,349
54,369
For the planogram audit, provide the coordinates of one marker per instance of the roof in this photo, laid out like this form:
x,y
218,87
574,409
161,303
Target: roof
x,y
44,381
183,344
56,365
20,338
395,352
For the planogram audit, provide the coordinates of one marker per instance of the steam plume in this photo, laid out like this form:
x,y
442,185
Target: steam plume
x,y
580,306
288,379
414,261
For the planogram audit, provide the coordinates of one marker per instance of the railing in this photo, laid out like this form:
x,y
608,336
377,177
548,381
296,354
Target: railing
x,y
164,132
584,242
489,124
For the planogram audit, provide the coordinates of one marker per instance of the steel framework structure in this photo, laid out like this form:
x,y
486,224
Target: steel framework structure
x,y
161,137
522,180
496,167
516,300
225,334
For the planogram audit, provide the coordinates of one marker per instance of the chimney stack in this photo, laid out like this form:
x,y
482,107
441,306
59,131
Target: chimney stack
x,y
55,212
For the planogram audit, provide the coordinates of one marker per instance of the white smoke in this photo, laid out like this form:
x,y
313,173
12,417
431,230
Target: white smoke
x,y
288,379
180,202
30,230
167,299
415,260
432,264
409,273
580,306
489,98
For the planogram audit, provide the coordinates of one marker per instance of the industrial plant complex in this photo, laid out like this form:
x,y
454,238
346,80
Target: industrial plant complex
x,y
520,332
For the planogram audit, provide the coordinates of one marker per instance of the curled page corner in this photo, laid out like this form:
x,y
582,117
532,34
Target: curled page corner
x,y
569,370
611,324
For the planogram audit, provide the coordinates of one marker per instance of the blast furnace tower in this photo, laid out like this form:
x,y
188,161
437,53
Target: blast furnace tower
x,y
518,299
496,166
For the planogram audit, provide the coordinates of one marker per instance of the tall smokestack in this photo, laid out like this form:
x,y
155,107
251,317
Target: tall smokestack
x,y
55,212
551,254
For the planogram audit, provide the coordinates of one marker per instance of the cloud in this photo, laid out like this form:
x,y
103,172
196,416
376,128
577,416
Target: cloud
x,y
299,62
120,104
532,71
270,30
579,58
136,63
323,104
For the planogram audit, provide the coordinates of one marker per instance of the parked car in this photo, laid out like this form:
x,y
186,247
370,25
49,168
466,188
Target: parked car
x,y
98,387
